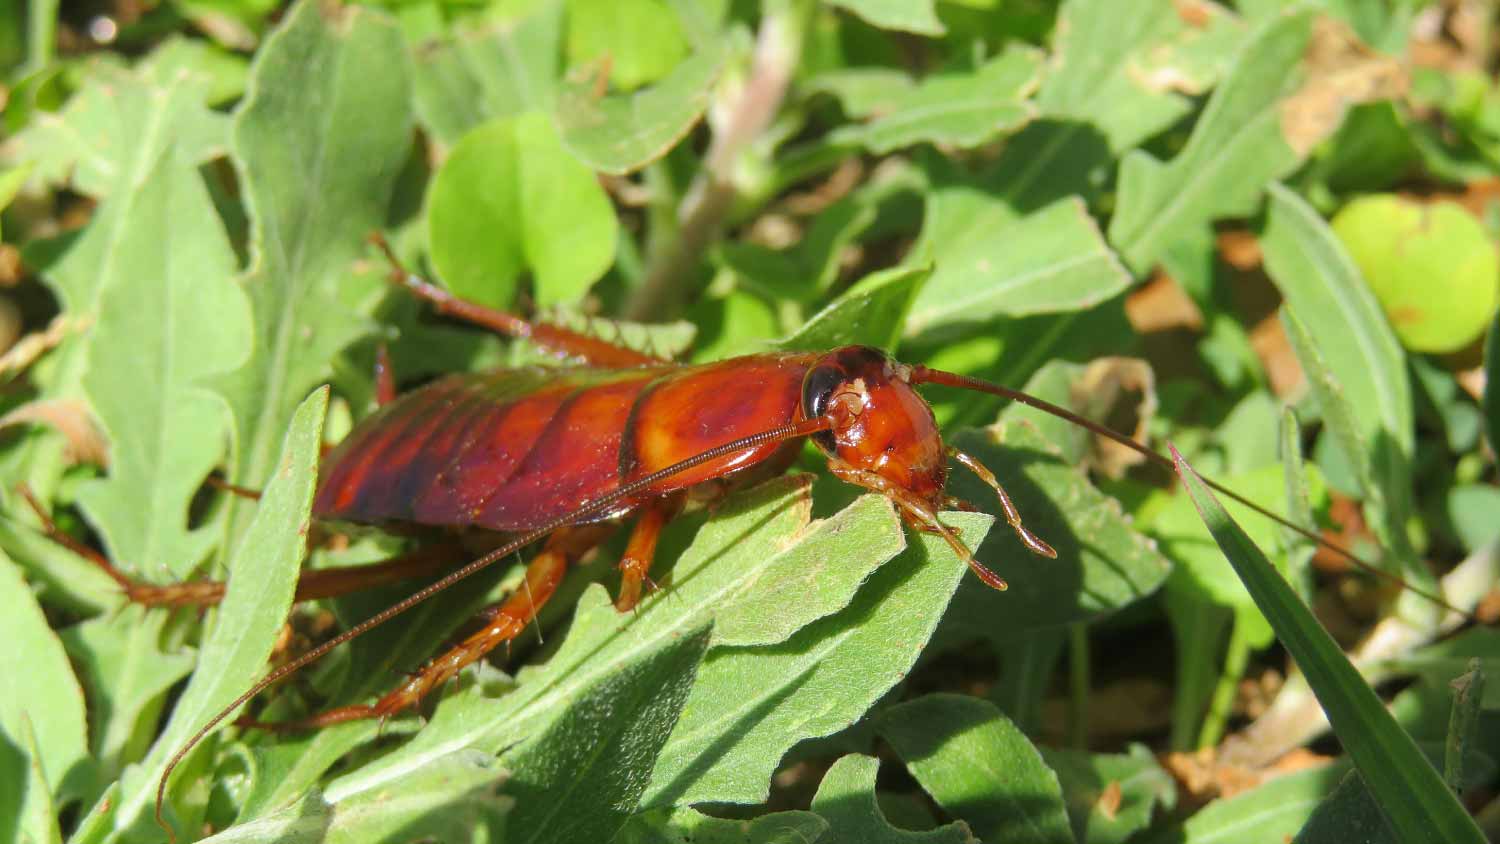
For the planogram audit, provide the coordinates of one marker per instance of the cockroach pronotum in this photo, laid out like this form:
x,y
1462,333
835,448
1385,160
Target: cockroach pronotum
x,y
538,454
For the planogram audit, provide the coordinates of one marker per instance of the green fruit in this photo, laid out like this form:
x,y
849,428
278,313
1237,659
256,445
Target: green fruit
x,y
1432,266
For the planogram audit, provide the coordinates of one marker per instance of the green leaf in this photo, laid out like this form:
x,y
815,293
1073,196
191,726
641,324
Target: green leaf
x,y
1272,812
846,799
1102,562
962,109
989,263
481,74
451,799
641,38
114,130
38,814
318,142
621,133
1338,412
173,320
42,709
582,778
1350,813
510,198
751,705
1410,792
685,825
11,181
907,15
979,767
1087,778
261,580
128,675
1490,401
871,312
1238,145
1463,725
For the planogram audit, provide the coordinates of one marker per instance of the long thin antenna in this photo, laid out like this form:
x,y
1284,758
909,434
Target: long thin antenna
x,y
781,433
925,375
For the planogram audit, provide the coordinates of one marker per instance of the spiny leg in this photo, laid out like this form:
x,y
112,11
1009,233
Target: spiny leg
x,y
917,513
503,624
385,376
1033,542
559,340
641,550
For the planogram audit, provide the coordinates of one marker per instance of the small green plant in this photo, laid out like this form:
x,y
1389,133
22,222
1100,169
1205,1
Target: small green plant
x,y
1048,195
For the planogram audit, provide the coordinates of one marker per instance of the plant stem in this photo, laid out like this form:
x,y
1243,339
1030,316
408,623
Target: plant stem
x,y
713,192
1236,655
1078,686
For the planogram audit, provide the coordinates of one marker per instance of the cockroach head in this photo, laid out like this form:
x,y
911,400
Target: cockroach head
x,y
879,424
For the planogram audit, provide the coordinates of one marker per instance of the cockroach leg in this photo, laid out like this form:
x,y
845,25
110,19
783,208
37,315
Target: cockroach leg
x,y
641,550
504,624
918,514
385,376
1032,542
561,341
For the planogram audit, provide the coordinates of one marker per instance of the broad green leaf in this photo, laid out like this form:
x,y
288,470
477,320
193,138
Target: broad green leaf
x,y
1272,812
128,675
989,263
979,767
620,133
685,825
641,38
452,799
173,319
962,109
509,199
725,566
907,15
1088,778
11,181
871,313
318,142
1419,806
583,777
261,580
113,131
846,799
38,814
1102,562
477,75
750,705
42,708
1238,145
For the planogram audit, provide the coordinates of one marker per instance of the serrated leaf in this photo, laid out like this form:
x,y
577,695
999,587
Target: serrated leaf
x,y
509,199
1088,779
906,15
979,767
1238,146
115,129
494,71
582,778
173,319
1414,798
962,109
42,709
625,132
128,675
1102,562
642,39
989,263
318,142
871,312
452,799
846,799
262,577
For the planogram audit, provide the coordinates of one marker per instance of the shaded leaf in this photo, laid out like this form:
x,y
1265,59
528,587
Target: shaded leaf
x,y
686,825
510,199
1272,812
846,799
1110,796
907,15
979,767
1348,814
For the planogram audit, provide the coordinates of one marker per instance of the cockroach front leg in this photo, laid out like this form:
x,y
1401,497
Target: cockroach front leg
x,y
503,623
1032,542
641,550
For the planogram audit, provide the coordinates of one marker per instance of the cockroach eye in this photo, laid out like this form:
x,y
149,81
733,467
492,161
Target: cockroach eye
x,y
817,389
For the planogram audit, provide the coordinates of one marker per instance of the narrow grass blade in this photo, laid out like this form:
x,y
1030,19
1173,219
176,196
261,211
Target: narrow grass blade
x,y
1409,790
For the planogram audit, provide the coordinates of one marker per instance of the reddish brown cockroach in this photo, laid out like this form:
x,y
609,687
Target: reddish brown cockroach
x,y
537,453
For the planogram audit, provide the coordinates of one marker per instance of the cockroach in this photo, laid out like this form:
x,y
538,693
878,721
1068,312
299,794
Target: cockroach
x,y
541,453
